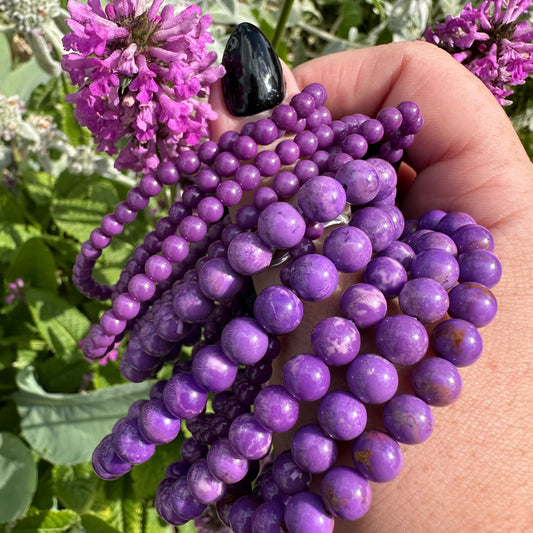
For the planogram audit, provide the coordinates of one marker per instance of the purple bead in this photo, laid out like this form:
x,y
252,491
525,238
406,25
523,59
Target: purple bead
x,y
248,254
225,463
372,378
163,504
141,287
386,274
129,444
436,381
276,409
156,424
402,339
345,493
472,302
178,211
210,210
111,324
225,164
190,303
202,484
312,450
151,243
322,198
324,135
433,240
280,226
99,239
150,185
265,131
288,476
167,173
305,513
349,248
408,419
305,169
473,237
241,514
317,91
372,130
259,373
480,266
136,357
267,162
207,180
364,304
314,230
376,456
360,181
286,184
125,213
304,247
438,265
158,268
248,177
458,341
387,178
391,118
451,222
341,415
430,219
278,310
249,437
306,377
313,277
389,153
136,200
338,160
263,197
228,139
377,224
218,281
207,151
304,104
105,457
321,159
111,225
229,193
288,152
400,251
212,370
355,145
397,219
425,299
284,116
244,341
175,248
336,340
307,142
183,502
269,517
183,397
192,228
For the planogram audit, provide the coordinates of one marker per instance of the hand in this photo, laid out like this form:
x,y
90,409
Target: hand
x,y
473,473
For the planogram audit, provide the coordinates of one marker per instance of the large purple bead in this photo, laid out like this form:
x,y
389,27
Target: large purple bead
x,y
202,484
156,424
248,254
244,341
349,248
225,463
278,310
305,513
408,419
458,341
312,450
313,277
212,370
438,265
288,476
190,303
377,224
280,226
364,304
249,437
129,444
480,266
306,377
322,198
276,409
425,299
183,397
218,281
360,180
436,381
336,340
472,302
341,415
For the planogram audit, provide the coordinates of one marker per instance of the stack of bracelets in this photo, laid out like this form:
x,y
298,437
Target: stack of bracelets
x,y
422,291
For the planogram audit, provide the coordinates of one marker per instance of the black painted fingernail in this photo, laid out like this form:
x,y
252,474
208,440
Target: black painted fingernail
x,y
254,78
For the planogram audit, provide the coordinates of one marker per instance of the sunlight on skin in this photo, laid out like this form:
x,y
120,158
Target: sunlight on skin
x,y
473,473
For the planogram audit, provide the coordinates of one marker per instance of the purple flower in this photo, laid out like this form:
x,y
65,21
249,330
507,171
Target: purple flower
x,y
492,42
15,291
143,76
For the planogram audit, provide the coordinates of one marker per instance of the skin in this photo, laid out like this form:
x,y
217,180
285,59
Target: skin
x,y
474,472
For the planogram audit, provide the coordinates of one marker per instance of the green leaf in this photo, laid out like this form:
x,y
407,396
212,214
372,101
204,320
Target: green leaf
x,y
45,522
5,54
76,486
154,524
24,80
18,477
94,524
35,264
65,428
59,323
77,217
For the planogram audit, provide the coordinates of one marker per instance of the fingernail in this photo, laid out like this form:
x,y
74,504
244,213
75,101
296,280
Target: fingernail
x,y
254,78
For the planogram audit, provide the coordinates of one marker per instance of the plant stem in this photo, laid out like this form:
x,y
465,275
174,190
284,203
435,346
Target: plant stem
x,y
282,21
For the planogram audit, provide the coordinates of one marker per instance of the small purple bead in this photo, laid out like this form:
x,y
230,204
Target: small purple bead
x,y
307,142
458,341
425,299
305,169
312,450
408,419
280,226
364,304
305,513
129,444
167,173
136,199
438,265
434,240
480,266
345,493
336,340
322,198
225,463
202,484
158,268
389,153
265,131
156,424
402,339
276,409
178,211
212,370
288,152
386,274
175,248
229,193
267,162
377,457
324,135
210,209
436,381
341,415
278,310
377,224
207,180
241,514
451,222
111,225
248,254
313,277
472,302
284,116
286,184
207,151
105,456
355,145
263,197
338,160
226,163
248,437
349,248
306,377
288,476
244,341
99,239
317,91
125,307
248,177
183,397
183,502
473,237
372,378
391,118
372,130
430,219
269,517
150,185
190,303
304,104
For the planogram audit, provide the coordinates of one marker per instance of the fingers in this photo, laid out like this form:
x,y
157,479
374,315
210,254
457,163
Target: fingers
x,y
467,153
226,122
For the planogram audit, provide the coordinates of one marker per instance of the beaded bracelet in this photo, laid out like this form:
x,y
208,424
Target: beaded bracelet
x,y
424,291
